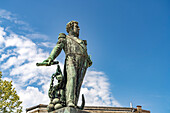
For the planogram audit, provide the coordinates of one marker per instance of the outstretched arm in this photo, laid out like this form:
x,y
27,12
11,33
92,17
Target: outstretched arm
x,y
57,49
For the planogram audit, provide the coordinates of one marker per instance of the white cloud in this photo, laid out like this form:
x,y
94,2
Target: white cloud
x,y
2,33
20,57
96,90
26,56
32,96
4,56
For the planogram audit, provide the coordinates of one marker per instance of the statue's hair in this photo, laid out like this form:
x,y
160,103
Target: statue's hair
x,y
69,25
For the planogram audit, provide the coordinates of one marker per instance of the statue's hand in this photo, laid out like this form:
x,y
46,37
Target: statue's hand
x,y
89,61
49,60
52,77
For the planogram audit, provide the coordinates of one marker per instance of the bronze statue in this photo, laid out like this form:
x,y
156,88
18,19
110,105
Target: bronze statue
x,y
77,61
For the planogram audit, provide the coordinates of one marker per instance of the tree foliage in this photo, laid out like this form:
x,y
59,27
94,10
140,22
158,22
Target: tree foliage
x,y
9,100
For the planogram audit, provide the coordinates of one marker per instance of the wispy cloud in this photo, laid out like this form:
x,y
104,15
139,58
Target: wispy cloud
x,y
37,36
47,44
7,18
22,26
10,16
5,14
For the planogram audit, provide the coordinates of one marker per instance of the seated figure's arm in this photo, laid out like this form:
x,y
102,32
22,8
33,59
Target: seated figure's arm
x,y
51,87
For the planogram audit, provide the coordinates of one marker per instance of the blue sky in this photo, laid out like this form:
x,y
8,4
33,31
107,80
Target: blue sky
x,y
127,39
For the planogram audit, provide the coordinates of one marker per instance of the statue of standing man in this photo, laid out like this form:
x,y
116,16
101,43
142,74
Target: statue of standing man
x,y
77,61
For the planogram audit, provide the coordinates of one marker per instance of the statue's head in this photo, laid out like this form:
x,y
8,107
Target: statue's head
x,y
73,28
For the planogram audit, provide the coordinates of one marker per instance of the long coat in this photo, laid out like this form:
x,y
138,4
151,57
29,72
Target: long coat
x,y
76,63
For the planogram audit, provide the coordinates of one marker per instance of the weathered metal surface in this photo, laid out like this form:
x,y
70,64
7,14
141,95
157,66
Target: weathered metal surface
x,y
76,63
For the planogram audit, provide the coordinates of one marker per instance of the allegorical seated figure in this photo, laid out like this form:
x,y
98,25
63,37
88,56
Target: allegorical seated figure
x,y
77,61
56,93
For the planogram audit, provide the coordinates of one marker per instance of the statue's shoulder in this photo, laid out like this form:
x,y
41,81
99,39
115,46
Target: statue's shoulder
x,y
62,35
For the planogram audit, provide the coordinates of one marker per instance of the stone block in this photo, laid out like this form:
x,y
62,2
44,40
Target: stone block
x,y
87,109
69,110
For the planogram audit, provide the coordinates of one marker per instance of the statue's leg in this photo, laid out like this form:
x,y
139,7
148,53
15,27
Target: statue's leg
x,y
71,83
81,74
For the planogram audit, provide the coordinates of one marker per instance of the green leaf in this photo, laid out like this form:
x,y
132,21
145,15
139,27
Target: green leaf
x,y
9,100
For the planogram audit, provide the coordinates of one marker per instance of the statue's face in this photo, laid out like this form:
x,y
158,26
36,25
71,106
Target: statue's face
x,y
76,28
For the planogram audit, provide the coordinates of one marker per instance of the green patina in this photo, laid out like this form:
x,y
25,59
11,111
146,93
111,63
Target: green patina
x,y
77,61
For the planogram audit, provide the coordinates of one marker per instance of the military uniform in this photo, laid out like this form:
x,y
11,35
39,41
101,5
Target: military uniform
x,y
76,63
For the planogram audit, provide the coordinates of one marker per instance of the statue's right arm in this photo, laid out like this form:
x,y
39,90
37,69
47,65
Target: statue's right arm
x,y
57,49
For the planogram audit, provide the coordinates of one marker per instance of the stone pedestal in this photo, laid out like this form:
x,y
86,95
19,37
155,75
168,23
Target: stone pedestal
x,y
69,110
87,109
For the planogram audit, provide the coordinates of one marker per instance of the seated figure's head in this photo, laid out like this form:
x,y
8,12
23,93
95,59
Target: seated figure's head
x,y
72,28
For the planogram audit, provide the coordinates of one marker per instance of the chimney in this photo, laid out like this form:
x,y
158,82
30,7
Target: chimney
x,y
139,109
